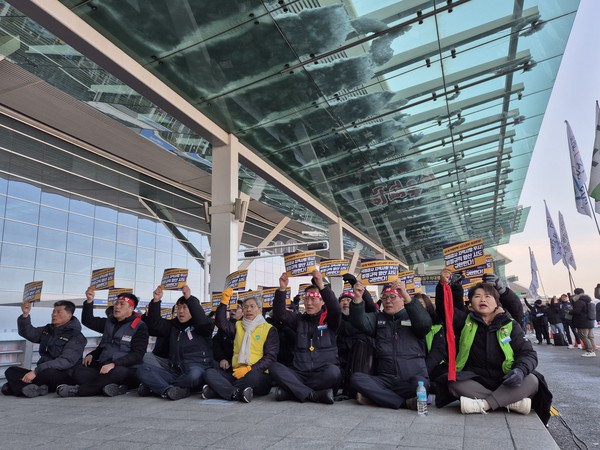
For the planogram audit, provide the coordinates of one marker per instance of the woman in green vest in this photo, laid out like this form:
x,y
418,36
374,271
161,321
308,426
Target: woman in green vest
x,y
495,361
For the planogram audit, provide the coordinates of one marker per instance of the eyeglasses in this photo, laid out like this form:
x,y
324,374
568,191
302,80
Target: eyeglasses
x,y
389,297
253,306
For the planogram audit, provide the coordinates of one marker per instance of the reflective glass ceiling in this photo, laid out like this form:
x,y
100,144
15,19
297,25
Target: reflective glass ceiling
x,y
413,120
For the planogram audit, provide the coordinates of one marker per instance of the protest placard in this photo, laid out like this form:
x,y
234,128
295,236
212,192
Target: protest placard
x,y
408,277
115,292
429,280
489,264
32,292
216,298
464,255
174,279
300,263
103,278
243,296
236,280
378,271
303,287
334,267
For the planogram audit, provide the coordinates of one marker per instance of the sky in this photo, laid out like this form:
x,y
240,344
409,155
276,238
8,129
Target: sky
x,y
573,98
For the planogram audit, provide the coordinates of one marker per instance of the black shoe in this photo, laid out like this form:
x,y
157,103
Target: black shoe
x,y
208,393
411,403
33,390
244,395
177,393
6,390
281,395
114,389
324,396
65,390
144,391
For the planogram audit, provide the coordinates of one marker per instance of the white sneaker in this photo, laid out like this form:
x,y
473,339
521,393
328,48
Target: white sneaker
x,y
589,354
570,346
471,406
523,406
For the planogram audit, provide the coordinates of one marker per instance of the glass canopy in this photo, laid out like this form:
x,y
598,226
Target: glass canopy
x,y
413,120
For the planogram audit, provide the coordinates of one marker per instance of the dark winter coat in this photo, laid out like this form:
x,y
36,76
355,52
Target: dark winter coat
x,y
539,314
584,313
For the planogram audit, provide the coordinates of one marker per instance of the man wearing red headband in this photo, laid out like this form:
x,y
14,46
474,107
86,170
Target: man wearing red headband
x,y
315,371
399,333
110,368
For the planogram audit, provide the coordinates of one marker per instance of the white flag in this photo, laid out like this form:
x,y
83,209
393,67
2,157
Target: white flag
x,y
582,201
594,187
533,287
555,246
568,257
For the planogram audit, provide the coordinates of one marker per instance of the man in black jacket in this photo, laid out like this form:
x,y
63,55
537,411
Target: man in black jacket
x,y
190,348
584,319
400,350
61,348
539,317
315,370
110,368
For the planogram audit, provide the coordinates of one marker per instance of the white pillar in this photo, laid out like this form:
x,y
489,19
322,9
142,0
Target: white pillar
x,y
224,227
336,251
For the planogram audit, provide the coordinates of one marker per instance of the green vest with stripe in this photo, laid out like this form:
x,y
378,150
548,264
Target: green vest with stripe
x,y
429,336
467,336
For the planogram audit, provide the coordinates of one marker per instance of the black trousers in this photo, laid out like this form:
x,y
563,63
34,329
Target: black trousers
x,y
49,377
387,391
541,332
302,384
225,384
91,381
567,326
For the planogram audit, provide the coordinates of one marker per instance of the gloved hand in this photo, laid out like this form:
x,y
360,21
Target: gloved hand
x,y
456,279
227,293
240,372
495,281
349,278
514,378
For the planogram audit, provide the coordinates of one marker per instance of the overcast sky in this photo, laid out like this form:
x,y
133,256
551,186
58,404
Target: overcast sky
x,y
573,98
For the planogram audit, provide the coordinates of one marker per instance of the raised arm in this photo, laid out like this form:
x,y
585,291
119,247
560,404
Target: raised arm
x,y
280,313
87,313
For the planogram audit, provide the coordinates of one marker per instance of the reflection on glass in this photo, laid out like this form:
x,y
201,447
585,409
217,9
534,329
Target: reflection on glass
x,y
50,260
52,239
17,256
53,218
77,243
19,233
79,264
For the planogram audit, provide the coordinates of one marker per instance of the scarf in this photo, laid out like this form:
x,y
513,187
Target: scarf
x,y
449,312
249,326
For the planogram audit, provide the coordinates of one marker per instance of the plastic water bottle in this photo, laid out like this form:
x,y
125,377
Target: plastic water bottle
x,y
421,399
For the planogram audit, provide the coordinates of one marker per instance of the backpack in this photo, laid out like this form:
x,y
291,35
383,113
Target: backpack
x,y
591,311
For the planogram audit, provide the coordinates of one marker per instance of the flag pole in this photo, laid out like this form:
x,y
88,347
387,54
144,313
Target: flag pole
x,y
542,283
571,280
592,209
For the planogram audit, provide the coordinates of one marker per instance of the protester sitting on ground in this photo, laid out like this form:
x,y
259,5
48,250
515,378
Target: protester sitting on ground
x,y
584,319
315,372
61,348
110,368
539,317
190,348
223,344
437,351
400,349
255,348
159,356
495,362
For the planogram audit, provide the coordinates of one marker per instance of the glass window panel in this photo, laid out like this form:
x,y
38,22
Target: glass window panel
x,y
179,261
164,243
17,255
125,270
56,200
52,239
79,244
22,210
19,233
53,218
105,213
127,219
76,284
49,260
126,235
81,264
126,252
147,225
53,281
104,248
145,273
146,239
12,279
3,185
81,207
144,289
163,260
105,230
23,190
2,205
81,224
145,255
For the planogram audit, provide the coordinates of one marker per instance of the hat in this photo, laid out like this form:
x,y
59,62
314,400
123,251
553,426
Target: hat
x,y
538,302
349,295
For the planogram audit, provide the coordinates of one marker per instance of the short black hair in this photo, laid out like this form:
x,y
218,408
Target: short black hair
x,y
129,296
578,291
311,287
69,306
487,288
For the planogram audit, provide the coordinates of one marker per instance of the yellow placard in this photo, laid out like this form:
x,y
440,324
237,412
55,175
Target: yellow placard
x,y
489,264
298,264
464,255
243,296
236,280
334,267
378,271
174,279
408,277
115,292
103,278
32,292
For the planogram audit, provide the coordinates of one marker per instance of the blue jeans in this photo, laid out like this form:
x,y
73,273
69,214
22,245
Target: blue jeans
x,y
159,379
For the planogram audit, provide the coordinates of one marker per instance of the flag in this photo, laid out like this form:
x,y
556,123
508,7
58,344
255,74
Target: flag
x,y
582,201
594,187
568,257
533,287
555,246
